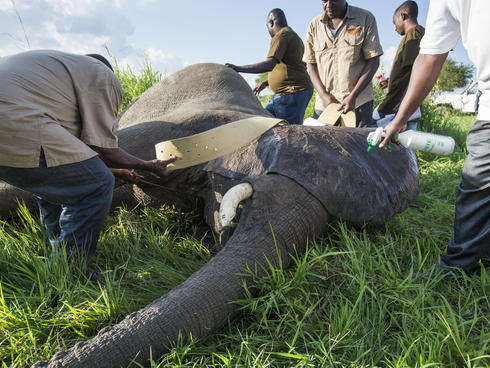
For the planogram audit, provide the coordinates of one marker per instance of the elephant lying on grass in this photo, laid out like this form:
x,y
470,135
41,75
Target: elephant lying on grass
x,y
302,178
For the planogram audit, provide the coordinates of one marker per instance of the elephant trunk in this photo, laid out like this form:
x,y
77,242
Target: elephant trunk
x,y
10,197
280,214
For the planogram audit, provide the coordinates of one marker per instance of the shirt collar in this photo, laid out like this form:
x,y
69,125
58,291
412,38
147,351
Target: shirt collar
x,y
348,14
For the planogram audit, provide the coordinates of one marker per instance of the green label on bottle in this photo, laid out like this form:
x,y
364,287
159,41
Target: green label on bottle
x,y
429,145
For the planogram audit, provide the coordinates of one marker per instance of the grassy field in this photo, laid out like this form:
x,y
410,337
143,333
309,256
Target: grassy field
x,y
348,302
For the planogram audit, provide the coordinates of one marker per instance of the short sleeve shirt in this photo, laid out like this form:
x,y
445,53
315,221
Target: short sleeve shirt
x,y
56,101
449,20
290,74
341,58
401,69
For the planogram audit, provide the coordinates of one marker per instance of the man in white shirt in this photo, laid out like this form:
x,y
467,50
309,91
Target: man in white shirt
x,y
447,21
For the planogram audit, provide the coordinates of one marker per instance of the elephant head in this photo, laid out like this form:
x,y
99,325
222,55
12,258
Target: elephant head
x,y
297,179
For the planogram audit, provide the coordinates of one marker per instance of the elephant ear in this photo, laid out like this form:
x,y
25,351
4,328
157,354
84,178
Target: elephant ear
x,y
333,165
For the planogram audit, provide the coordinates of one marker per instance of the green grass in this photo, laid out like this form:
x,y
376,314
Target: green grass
x,y
134,84
348,302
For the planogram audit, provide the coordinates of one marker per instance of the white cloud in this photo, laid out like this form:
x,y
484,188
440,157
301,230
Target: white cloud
x,y
81,26
159,60
86,26
387,59
73,8
6,6
164,62
143,3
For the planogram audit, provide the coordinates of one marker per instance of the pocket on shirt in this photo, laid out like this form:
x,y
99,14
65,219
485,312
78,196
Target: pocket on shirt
x,y
352,47
320,47
322,52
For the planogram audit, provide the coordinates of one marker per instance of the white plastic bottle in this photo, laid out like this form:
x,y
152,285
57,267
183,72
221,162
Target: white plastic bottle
x,y
428,142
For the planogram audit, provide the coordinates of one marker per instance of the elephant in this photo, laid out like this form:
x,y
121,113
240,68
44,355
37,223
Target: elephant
x,y
292,181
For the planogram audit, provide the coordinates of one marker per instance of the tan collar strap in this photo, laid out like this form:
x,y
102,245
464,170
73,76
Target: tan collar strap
x,y
211,144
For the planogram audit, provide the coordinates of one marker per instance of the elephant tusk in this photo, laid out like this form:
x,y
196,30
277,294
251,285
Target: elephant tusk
x,y
231,199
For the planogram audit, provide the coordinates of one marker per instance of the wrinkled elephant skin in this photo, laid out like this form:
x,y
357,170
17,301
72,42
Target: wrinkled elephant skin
x,y
302,177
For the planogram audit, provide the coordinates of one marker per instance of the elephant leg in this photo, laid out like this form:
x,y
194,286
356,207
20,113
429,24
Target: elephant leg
x,y
280,214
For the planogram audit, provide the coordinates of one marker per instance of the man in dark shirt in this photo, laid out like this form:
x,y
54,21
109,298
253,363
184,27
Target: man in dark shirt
x,y
405,21
287,78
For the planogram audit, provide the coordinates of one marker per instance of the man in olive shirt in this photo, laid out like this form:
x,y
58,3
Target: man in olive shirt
x,y
287,78
342,53
57,113
405,21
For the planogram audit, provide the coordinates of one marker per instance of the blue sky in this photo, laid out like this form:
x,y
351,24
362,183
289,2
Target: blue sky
x,y
173,34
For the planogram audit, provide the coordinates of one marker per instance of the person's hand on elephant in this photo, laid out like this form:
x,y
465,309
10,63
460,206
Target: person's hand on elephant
x,y
260,87
117,157
396,126
159,167
233,66
125,175
348,104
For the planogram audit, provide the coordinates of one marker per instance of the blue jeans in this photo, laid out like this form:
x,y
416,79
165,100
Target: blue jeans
x,y
74,200
471,240
290,107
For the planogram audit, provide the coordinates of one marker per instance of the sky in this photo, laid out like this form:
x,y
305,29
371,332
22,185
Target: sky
x,y
174,34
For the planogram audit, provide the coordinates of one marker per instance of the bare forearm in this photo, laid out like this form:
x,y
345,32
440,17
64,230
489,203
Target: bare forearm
x,y
262,67
315,79
366,77
118,158
425,72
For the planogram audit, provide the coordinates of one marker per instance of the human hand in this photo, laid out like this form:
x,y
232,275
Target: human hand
x,y
159,167
383,83
232,66
348,104
260,87
328,99
125,175
395,127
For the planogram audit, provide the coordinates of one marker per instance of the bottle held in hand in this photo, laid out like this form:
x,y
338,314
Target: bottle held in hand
x,y
427,142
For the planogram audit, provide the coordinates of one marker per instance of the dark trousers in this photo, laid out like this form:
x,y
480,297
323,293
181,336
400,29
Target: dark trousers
x,y
74,200
364,115
471,239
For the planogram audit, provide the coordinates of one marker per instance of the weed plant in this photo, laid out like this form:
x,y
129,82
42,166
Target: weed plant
x,y
349,301
135,84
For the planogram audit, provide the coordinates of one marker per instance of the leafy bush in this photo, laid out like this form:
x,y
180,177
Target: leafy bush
x,y
446,122
453,75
